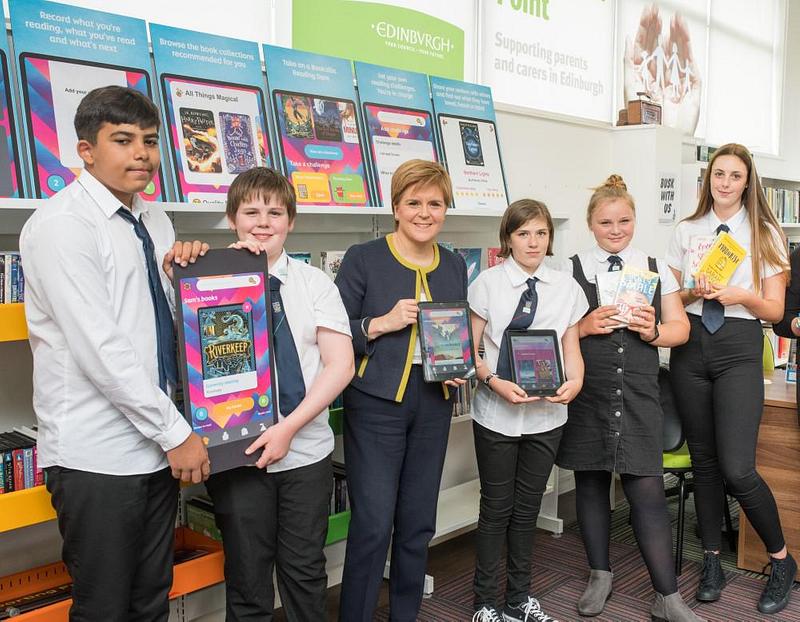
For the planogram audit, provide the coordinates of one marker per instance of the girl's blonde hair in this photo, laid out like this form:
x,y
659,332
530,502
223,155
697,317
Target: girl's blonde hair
x,y
613,188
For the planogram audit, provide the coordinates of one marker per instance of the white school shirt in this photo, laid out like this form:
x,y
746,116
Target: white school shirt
x,y
310,301
93,334
739,226
494,296
595,260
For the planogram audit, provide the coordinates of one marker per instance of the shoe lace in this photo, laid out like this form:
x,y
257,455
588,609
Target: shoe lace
x,y
776,581
712,571
485,614
533,611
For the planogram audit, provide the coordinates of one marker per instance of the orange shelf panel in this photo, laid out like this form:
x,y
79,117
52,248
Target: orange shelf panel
x,y
25,507
12,322
188,577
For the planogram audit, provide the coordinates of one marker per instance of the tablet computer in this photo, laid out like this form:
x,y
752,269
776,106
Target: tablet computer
x,y
445,338
225,352
320,147
52,88
535,361
216,131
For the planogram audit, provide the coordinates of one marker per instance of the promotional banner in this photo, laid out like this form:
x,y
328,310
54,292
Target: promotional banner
x,y
539,55
217,128
398,121
62,54
317,126
430,36
10,173
470,145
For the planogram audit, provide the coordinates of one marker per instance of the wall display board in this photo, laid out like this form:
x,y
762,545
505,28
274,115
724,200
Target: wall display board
x,y
470,145
10,173
398,121
430,36
217,128
538,55
317,127
63,52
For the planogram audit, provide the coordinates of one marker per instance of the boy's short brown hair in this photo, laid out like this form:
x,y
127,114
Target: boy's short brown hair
x,y
264,183
421,173
516,215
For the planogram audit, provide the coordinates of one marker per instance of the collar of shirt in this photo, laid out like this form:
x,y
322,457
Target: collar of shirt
x,y
733,223
518,276
105,200
602,255
280,269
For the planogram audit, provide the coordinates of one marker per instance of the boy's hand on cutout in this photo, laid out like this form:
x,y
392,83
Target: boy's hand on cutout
x,y
189,460
599,321
510,392
566,392
254,246
183,253
275,441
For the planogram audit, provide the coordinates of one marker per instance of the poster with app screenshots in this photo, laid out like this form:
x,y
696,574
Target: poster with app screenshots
x,y
226,352
470,144
398,121
317,126
10,173
217,128
62,54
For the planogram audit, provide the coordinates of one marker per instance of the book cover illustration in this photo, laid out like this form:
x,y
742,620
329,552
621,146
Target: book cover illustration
x,y
637,288
722,259
471,142
446,342
304,256
297,116
200,140
493,256
472,257
227,348
698,247
347,114
238,142
331,261
607,284
327,120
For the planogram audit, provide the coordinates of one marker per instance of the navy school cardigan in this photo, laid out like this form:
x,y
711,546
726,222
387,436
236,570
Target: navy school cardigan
x,y
372,278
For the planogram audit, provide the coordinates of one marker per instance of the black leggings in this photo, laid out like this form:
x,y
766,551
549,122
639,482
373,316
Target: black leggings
x,y
720,394
649,516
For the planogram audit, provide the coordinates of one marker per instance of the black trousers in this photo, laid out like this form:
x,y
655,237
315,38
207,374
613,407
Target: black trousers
x,y
394,454
513,472
118,540
274,520
720,394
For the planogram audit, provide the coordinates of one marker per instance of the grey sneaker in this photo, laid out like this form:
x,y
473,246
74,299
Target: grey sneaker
x,y
487,613
527,611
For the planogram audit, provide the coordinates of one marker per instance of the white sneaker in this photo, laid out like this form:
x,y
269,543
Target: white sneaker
x,y
526,611
487,614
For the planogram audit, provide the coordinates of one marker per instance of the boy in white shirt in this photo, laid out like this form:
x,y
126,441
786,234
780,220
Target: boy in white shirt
x,y
110,439
276,513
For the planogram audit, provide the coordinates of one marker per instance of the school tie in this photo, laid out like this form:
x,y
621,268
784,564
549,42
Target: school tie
x,y
614,263
291,388
523,318
713,316
165,329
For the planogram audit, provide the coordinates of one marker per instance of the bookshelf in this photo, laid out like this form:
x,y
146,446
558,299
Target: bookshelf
x,y
24,508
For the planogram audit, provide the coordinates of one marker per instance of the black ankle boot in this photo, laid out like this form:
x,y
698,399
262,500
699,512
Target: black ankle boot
x,y
712,581
779,587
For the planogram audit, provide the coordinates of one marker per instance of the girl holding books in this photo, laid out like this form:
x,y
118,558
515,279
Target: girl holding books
x,y
719,371
614,425
397,425
516,436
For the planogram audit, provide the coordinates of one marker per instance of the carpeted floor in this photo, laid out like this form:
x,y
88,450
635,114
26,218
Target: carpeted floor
x,y
560,573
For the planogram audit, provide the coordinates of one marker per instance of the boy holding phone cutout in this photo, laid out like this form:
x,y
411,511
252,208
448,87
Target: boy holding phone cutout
x,y
277,513
111,441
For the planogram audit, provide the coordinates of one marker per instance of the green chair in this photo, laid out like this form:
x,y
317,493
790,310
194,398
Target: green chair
x,y
768,355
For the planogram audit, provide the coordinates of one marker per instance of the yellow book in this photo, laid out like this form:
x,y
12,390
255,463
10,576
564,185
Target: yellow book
x,y
722,259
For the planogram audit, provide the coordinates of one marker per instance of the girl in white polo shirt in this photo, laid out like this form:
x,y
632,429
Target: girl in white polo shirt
x,y
516,436
718,373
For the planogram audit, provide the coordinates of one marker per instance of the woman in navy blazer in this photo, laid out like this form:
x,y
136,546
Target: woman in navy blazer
x,y
396,424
